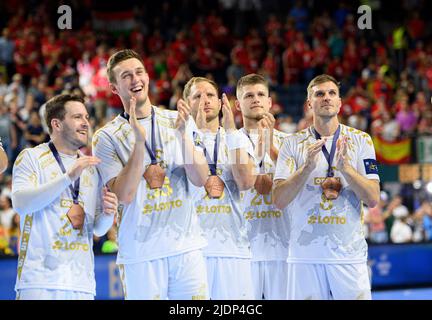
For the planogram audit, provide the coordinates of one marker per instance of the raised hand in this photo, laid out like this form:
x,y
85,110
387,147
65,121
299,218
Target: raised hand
x,y
80,164
201,120
110,201
313,152
227,114
139,131
341,153
182,116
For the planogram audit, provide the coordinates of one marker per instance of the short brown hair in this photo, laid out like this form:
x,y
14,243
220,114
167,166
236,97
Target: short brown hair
x,y
195,80
118,57
55,107
321,79
250,79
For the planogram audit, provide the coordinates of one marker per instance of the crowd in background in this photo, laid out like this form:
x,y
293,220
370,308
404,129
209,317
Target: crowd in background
x,y
385,74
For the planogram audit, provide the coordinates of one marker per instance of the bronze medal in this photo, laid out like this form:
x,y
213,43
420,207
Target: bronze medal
x,y
331,187
214,187
155,176
263,183
76,216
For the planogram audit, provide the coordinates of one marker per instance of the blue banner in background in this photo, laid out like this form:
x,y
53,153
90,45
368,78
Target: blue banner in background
x,y
401,265
391,265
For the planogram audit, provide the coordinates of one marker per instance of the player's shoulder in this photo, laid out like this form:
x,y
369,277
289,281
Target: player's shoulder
x,y
299,137
111,127
166,113
38,153
356,135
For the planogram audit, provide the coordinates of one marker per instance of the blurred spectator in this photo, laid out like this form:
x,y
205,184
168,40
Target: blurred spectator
x,y
401,232
6,212
15,234
375,220
424,215
285,123
34,133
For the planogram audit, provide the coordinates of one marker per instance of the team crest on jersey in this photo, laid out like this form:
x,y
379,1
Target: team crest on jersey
x,y
371,166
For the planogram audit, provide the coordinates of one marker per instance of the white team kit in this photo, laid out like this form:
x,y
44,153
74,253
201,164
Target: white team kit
x,y
326,235
55,260
268,233
228,253
159,223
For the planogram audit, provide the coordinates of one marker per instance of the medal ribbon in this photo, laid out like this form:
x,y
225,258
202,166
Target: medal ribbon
x,y
213,164
74,189
253,144
329,157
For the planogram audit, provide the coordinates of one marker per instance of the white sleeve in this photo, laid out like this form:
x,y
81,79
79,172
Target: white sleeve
x,y
103,148
27,194
366,163
285,164
103,222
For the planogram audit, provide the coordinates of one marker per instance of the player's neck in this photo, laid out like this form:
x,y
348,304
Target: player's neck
x,y
326,127
143,110
250,124
63,147
213,125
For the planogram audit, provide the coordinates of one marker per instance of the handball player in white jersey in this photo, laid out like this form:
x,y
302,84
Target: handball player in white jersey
x,y
323,176
61,201
232,169
150,162
268,226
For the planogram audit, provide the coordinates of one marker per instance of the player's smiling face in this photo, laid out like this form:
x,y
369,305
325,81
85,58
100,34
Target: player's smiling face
x,y
131,80
325,100
75,124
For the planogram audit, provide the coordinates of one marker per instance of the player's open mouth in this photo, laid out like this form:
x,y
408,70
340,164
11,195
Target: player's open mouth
x,y
83,132
137,89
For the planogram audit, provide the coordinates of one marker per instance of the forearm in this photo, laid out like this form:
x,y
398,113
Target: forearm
x,y
103,222
367,190
33,199
243,168
196,166
125,185
286,190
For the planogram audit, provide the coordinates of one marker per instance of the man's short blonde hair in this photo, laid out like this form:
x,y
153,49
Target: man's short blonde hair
x,y
195,80
321,79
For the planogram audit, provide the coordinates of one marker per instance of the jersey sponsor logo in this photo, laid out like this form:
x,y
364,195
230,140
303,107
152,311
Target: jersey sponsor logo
x,y
326,220
73,246
371,166
222,209
164,206
319,180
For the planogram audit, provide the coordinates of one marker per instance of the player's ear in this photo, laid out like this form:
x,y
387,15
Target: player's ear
x,y
237,105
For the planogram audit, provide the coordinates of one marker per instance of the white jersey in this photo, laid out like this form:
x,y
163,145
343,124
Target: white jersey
x,y
326,231
53,255
222,219
159,222
268,226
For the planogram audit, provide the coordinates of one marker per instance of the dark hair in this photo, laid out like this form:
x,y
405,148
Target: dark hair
x,y
250,79
118,57
55,107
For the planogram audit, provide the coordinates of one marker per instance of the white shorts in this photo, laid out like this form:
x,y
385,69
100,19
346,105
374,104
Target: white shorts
x,y
270,279
52,294
328,282
180,277
229,278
